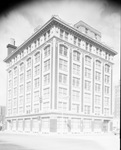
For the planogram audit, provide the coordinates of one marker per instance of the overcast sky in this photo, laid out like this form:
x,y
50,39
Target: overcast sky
x,y
19,24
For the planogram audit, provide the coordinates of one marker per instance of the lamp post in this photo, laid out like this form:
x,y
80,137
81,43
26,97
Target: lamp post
x,y
66,97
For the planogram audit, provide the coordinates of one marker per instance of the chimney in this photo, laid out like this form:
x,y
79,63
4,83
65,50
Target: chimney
x,y
11,46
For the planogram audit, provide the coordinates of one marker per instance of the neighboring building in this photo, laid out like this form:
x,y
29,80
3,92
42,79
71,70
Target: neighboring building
x,y
60,80
117,106
2,117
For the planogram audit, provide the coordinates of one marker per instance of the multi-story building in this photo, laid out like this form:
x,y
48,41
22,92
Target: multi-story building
x,y
60,80
116,120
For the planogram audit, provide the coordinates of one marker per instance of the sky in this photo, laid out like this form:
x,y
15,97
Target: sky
x,y
19,23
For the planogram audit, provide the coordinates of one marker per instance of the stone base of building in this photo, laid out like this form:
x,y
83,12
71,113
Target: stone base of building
x,y
58,124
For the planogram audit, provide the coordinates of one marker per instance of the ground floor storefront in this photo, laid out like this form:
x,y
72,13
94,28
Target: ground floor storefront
x,y
58,124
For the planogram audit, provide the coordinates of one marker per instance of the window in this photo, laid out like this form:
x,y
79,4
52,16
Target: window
x,y
62,64
90,48
97,88
76,82
28,86
86,109
86,30
48,33
63,50
47,65
10,74
75,39
15,71
28,98
79,42
46,93
76,95
87,98
62,78
45,37
37,70
9,94
97,100
76,69
97,76
106,111
62,92
36,83
47,51
15,92
38,41
28,110
98,65
106,90
75,108
87,85
97,111
35,44
61,33
62,106
28,74
66,35
87,73
106,101
76,56
46,106
28,62
21,78
36,108
10,84
107,79
46,79
20,110
37,57
87,46
107,68
21,99
21,89
88,60
14,102
36,96
21,67
15,81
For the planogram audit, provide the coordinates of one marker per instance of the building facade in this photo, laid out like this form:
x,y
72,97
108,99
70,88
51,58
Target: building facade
x,y
2,117
60,80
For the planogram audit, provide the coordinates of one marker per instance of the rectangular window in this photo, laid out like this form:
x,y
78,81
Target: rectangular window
x,y
75,108
37,57
87,85
63,50
76,69
97,76
28,74
62,64
86,109
97,100
106,111
21,78
97,88
28,98
37,70
107,68
87,73
106,101
46,93
76,82
66,35
21,89
75,38
62,92
87,98
28,86
28,62
62,78
36,83
98,65
21,99
61,33
90,48
15,81
48,33
76,95
87,46
47,51
97,111
107,79
88,61
47,65
46,79
36,96
15,91
21,67
79,42
106,90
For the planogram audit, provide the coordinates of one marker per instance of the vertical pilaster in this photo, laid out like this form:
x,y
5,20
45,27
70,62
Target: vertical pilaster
x,y
82,88
70,78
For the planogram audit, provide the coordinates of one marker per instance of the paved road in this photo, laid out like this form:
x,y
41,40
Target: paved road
x,y
54,142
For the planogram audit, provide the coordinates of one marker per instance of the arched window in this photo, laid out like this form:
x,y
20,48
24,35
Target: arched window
x,y
98,64
107,68
63,50
88,60
47,51
28,62
37,57
76,56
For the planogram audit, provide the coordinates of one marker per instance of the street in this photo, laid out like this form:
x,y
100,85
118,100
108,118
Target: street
x,y
9,141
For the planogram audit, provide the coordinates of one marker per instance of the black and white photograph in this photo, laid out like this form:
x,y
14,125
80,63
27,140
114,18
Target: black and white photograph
x,y
60,75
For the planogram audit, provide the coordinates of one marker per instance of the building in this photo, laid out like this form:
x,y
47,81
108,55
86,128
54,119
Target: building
x,y
117,106
60,80
2,117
